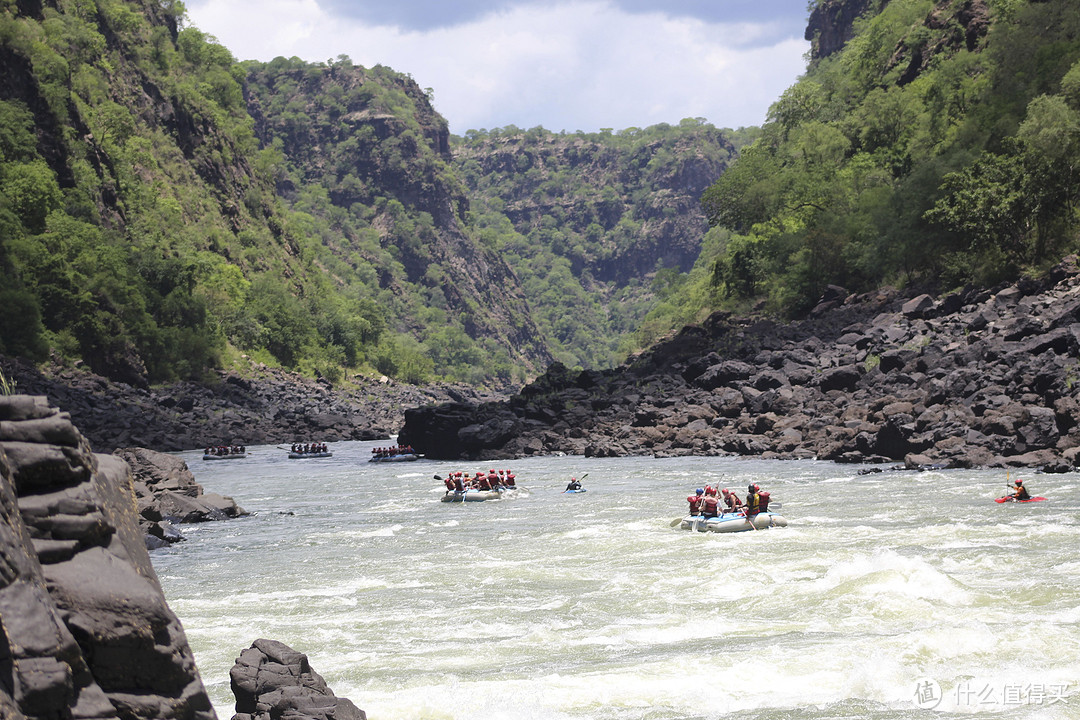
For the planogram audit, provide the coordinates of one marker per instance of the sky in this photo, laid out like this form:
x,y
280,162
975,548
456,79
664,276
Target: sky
x,y
565,65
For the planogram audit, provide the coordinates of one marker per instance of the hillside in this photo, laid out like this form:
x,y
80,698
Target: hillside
x,y
931,143
598,226
161,217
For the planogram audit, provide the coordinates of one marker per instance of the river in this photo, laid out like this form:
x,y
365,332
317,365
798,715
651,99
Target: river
x,y
888,594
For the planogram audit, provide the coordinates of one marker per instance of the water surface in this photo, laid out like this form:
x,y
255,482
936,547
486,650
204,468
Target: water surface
x,y
886,591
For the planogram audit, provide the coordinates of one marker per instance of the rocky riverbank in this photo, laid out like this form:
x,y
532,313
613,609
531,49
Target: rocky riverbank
x,y
262,406
970,379
166,495
86,631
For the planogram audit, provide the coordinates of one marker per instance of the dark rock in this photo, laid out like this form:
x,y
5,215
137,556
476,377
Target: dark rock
x,y
86,629
270,680
166,493
845,378
918,307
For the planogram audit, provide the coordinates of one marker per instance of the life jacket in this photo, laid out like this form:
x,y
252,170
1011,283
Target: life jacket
x,y
695,504
458,484
763,501
449,483
710,506
752,504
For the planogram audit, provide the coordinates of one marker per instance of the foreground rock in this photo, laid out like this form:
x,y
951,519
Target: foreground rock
x,y
87,633
976,378
270,680
167,495
265,406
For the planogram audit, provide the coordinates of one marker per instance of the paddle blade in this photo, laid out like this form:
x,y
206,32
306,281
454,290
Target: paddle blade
x,y
675,522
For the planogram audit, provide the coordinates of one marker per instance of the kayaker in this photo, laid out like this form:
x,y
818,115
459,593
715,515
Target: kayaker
x,y
573,484
1021,491
695,501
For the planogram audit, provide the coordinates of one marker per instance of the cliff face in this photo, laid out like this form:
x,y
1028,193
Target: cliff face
x,y
832,23
163,203
654,182
86,629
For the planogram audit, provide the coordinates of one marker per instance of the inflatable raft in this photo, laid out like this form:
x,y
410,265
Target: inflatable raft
x,y
480,495
733,522
400,457
229,456
302,455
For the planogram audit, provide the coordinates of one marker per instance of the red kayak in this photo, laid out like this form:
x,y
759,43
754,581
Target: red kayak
x,y
1014,500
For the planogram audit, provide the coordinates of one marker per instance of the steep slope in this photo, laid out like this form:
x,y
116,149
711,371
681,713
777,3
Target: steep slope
x,y
365,150
931,142
143,234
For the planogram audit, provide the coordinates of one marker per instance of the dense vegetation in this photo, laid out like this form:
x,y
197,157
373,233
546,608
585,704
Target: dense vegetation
x,y
151,227
940,146
166,209
597,225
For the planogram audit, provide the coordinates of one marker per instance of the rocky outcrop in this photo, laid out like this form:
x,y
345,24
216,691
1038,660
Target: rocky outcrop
x,y
166,495
264,406
975,378
832,24
948,29
270,680
86,631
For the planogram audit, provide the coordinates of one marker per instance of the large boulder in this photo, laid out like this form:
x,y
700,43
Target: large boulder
x,y
272,681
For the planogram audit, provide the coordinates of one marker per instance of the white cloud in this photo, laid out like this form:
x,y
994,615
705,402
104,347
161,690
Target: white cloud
x,y
578,65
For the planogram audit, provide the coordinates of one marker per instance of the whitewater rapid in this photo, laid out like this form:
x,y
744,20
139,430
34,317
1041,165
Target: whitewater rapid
x,y
895,594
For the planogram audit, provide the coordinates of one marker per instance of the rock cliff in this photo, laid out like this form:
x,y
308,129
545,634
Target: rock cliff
x,y
86,629
831,25
975,378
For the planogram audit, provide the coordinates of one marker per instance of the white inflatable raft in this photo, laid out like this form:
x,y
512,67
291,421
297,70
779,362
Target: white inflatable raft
x,y
733,522
480,495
